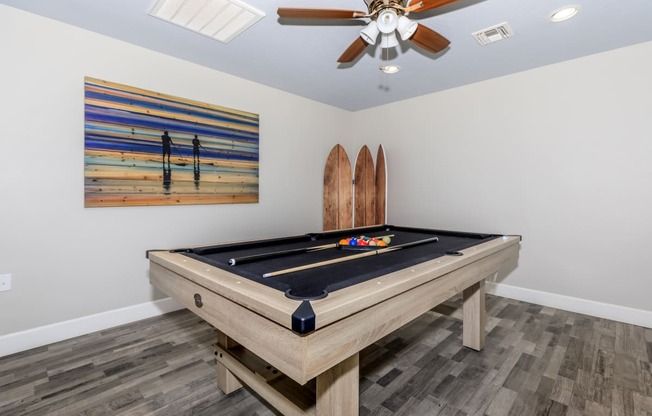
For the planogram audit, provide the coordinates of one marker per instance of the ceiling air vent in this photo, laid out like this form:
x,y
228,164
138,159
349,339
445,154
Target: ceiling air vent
x,y
221,20
493,34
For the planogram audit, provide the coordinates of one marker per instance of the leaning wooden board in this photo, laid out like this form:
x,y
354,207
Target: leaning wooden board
x,y
364,196
381,186
338,190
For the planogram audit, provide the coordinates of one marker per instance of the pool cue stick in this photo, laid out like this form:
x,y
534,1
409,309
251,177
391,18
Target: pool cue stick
x,y
349,258
281,253
289,252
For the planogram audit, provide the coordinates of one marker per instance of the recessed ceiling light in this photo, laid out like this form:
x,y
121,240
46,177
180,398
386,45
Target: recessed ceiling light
x,y
564,13
389,69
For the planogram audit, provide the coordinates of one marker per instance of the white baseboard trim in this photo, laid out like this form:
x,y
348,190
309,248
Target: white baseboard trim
x,y
44,335
618,313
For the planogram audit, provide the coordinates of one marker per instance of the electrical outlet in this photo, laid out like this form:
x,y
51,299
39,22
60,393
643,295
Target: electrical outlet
x,y
5,282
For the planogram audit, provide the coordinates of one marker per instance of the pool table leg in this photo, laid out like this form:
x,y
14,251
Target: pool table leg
x,y
226,381
338,389
473,326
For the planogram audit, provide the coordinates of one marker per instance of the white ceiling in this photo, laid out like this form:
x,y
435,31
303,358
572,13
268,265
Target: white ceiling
x,y
301,58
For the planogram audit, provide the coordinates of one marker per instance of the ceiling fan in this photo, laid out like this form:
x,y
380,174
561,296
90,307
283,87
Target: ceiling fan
x,y
387,18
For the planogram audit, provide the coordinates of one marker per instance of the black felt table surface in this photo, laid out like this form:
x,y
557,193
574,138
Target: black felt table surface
x,y
325,279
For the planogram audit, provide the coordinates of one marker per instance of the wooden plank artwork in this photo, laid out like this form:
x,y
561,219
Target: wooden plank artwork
x,y
338,190
364,196
354,201
381,186
148,148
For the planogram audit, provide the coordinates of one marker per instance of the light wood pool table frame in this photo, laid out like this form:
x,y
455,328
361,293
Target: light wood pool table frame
x,y
257,346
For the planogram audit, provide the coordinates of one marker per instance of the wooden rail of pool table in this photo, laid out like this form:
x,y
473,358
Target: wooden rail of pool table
x,y
272,304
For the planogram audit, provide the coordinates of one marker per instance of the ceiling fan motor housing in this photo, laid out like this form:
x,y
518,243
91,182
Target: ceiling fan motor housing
x,y
376,6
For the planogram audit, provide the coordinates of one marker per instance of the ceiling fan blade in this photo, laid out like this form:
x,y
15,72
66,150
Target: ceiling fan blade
x,y
292,13
353,51
428,4
429,39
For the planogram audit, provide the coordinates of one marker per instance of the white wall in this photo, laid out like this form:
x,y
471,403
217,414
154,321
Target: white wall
x,y
69,262
560,154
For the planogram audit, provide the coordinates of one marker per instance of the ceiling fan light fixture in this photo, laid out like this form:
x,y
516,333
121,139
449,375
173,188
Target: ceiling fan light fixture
x,y
564,13
387,21
389,69
370,33
406,27
386,18
389,40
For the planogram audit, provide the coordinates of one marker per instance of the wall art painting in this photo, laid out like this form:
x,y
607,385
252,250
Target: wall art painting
x,y
147,148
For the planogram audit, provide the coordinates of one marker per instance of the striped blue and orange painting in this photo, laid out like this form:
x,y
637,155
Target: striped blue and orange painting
x,y
148,148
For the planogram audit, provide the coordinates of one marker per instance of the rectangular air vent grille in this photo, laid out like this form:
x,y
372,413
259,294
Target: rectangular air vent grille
x,y
493,33
221,20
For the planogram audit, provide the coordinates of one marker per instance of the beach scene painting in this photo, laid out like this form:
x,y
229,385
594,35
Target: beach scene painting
x,y
148,148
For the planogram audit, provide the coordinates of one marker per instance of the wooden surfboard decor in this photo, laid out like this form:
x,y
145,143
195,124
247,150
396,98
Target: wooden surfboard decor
x,y
364,194
338,190
381,186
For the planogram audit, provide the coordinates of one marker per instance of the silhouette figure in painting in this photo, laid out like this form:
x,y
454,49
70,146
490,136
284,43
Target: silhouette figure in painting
x,y
166,140
196,144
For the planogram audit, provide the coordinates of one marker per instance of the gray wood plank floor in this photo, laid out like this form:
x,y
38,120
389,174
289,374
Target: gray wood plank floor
x,y
537,361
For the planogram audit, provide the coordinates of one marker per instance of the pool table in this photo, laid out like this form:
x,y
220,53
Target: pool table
x,y
294,337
